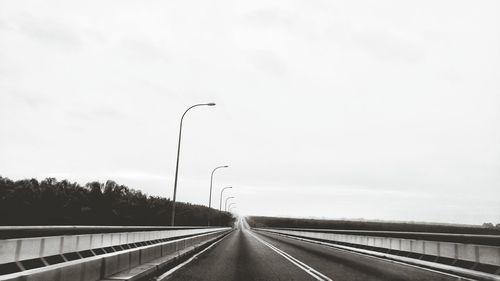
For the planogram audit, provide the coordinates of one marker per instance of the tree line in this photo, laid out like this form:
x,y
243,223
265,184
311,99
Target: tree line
x,y
52,202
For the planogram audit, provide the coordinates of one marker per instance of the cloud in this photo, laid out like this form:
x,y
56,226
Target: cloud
x,y
3,24
99,113
145,49
28,98
137,175
389,46
272,17
268,61
385,42
57,34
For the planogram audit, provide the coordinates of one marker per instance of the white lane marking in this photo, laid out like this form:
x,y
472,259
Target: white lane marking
x,y
372,254
309,270
179,266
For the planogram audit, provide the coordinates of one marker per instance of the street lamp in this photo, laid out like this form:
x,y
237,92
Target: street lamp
x,y
211,181
230,205
220,201
172,220
225,206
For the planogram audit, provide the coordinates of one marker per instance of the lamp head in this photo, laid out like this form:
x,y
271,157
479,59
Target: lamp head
x,y
211,104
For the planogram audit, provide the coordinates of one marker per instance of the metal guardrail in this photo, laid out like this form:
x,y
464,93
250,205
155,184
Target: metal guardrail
x,y
49,253
484,258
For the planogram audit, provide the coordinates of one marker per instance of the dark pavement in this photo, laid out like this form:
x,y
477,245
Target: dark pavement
x,y
241,256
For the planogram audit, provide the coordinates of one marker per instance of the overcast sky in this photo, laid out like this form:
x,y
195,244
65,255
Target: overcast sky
x,y
338,109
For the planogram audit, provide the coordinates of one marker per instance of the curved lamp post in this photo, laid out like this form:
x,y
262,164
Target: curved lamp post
x,y
172,220
231,205
220,201
225,208
211,181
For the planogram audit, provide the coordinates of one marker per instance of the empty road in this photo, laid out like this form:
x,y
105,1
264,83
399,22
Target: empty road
x,y
249,255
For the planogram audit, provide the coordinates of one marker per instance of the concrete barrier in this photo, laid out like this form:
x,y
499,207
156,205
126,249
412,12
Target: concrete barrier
x,y
101,266
474,254
14,250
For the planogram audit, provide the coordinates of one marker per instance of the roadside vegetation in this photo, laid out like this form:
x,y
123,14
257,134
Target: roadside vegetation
x,y
52,202
487,228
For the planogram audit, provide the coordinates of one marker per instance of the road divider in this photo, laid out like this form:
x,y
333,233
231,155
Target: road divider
x,y
171,271
469,260
94,257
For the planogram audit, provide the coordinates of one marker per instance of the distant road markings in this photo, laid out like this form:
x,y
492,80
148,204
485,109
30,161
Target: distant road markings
x,y
309,270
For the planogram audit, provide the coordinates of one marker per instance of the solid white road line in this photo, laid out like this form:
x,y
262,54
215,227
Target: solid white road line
x,y
179,266
309,270
377,255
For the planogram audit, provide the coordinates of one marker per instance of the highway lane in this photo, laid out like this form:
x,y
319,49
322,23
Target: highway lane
x,y
240,257
249,255
342,265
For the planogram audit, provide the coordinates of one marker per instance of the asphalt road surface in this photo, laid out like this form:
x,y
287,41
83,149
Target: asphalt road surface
x,y
248,255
